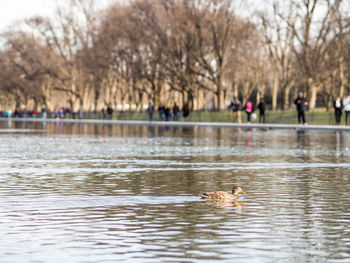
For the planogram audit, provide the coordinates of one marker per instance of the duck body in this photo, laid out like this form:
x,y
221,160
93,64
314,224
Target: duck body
x,y
221,195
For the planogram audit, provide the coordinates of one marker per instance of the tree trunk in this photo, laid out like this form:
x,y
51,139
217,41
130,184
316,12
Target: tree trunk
x,y
329,102
235,90
183,97
245,92
276,83
44,100
218,96
35,106
17,101
343,80
261,93
313,93
190,99
97,96
286,91
73,102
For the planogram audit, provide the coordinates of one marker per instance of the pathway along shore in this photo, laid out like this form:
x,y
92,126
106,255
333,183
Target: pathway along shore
x,y
188,124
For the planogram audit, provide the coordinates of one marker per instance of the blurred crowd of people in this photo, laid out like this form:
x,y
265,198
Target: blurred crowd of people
x,y
62,113
236,106
168,113
58,112
248,108
107,111
340,105
301,104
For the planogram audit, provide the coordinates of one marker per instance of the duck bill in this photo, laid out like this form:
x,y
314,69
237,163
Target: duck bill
x,y
242,192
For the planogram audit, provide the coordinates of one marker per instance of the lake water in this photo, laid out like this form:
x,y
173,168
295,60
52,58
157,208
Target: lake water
x,y
108,193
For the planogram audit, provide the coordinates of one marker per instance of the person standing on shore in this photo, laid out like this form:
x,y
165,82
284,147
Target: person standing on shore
x,y
150,111
56,113
338,109
346,105
104,111
80,113
300,104
61,113
261,107
43,112
161,111
110,111
248,110
167,113
185,111
176,112
236,109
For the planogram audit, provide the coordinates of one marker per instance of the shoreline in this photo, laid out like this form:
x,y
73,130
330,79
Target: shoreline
x,y
188,124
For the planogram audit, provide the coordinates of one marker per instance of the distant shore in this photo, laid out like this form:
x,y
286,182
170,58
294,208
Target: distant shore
x,y
186,124
314,117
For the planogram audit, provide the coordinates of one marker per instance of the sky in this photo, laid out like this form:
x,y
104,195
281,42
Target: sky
x,y
13,10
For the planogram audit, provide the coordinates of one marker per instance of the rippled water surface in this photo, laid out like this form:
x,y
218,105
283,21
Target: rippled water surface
x,y
103,193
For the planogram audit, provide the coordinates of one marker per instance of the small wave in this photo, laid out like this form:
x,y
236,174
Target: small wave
x,y
16,203
113,167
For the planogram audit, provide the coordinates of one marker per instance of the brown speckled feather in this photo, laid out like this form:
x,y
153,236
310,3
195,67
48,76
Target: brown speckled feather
x,y
219,195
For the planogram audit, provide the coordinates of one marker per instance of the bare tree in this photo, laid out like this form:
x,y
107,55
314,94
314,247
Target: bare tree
x,y
311,23
278,40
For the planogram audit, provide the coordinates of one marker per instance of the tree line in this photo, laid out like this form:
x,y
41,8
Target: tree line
x,y
200,52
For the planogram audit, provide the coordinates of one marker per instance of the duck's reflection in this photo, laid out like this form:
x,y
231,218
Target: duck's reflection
x,y
225,205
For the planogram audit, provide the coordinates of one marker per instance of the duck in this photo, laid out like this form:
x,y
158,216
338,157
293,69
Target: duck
x,y
221,195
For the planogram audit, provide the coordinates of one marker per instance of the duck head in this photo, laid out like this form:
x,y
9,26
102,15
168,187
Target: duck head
x,y
236,190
